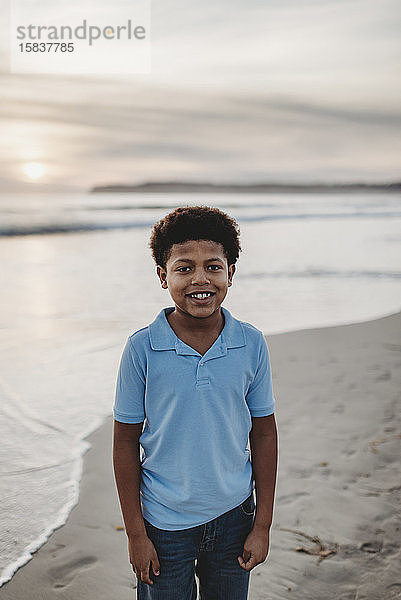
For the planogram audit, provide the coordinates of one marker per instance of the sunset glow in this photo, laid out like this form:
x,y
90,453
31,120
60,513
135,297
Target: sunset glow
x,y
34,170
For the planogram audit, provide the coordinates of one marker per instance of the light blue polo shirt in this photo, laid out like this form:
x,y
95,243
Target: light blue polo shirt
x,y
197,417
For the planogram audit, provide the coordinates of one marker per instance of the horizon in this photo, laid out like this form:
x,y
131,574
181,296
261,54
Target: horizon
x,y
390,186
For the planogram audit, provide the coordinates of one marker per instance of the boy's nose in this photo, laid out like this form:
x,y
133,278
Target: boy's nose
x,y
200,276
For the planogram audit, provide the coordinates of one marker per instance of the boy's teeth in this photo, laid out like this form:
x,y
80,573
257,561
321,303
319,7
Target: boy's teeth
x,y
200,296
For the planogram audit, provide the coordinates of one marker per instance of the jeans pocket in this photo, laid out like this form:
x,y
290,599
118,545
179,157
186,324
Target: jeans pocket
x,y
248,506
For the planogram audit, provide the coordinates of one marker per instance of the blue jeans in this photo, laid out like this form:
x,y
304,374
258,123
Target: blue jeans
x,y
214,547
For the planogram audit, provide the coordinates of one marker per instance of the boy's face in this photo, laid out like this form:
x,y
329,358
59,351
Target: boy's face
x,y
197,267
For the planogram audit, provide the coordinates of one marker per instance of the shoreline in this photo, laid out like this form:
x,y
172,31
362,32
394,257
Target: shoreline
x,y
337,480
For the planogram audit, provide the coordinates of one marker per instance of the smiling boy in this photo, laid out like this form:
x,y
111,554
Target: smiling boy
x,y
194,427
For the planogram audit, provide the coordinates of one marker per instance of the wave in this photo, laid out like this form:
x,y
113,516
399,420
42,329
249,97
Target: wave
x,y
60,517
18,230
321,273
8,230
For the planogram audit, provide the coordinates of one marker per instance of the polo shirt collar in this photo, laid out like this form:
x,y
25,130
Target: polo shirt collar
x,y
162,337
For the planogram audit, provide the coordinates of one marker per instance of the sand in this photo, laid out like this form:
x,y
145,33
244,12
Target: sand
x,y
338,413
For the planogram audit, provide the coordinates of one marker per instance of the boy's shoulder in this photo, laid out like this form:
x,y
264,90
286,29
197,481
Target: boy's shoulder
x,y
149,336
250,327
252,334
140,337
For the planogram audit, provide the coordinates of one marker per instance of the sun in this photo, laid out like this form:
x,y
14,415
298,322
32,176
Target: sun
x,y
34,170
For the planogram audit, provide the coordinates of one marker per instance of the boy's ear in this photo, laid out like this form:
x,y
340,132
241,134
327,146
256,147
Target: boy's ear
x,y
231,271
162,274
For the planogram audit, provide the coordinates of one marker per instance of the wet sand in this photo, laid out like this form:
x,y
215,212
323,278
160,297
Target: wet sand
x,y
337,524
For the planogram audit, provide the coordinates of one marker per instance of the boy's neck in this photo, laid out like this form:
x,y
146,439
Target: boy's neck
x,y
181,321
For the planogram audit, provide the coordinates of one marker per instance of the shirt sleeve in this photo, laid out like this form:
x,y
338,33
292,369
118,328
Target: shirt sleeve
x,y
260,397
129,403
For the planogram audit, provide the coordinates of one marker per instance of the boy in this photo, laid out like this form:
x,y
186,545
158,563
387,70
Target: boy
x,y
193,387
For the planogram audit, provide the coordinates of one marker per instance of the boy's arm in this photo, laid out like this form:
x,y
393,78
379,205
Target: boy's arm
x,y
127,472
263,441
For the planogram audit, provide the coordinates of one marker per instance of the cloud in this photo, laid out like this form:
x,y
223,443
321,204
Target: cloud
x,y
200,136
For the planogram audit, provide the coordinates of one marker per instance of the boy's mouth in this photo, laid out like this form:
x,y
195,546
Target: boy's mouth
x,y
200,295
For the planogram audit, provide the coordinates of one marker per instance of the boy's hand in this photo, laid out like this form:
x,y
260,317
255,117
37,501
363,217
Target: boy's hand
x,y
256,549
142,554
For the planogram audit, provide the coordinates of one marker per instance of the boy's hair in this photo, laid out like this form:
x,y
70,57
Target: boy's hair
x,y
194,223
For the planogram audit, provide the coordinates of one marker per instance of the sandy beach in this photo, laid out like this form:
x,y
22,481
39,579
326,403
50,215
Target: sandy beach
x,y
338,494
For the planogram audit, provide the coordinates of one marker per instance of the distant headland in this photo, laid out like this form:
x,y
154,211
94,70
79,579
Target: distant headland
x,y
181,187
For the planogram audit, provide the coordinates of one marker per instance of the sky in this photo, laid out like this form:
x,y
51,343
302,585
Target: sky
x,y
239,91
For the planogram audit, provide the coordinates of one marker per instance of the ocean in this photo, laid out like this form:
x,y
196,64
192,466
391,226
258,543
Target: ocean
x,y
77,277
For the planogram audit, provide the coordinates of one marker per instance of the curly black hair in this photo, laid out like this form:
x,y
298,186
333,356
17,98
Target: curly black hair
x,y
194,223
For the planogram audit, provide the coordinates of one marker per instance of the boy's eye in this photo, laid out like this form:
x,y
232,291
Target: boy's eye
x,y
210,267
